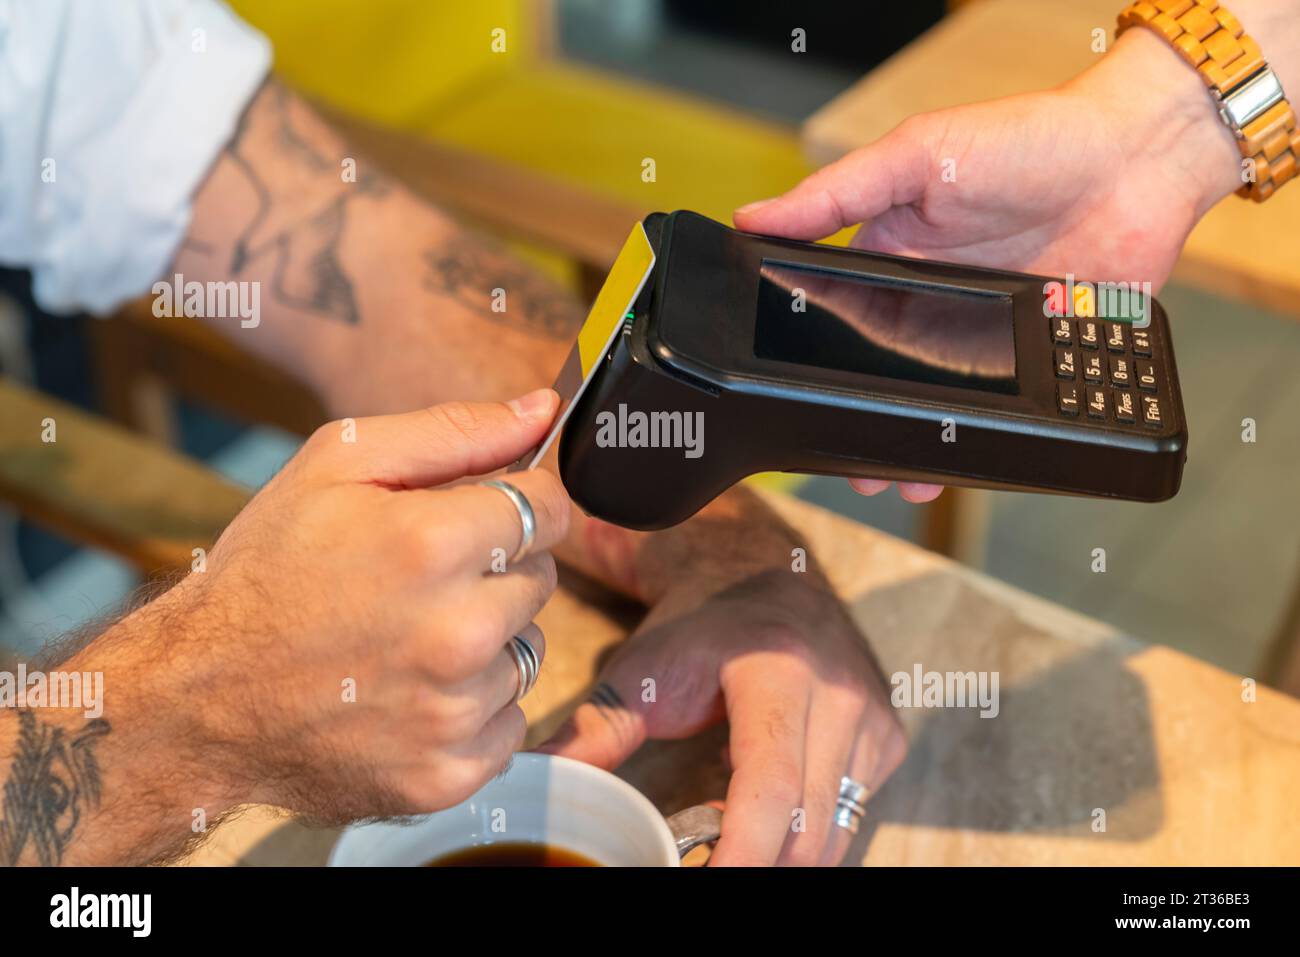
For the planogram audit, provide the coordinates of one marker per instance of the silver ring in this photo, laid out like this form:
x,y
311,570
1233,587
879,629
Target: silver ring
x,y
526,517
846,818
854,791
527,664
851,805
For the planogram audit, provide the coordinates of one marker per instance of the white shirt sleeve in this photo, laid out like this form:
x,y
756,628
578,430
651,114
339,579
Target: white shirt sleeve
x,y
111,114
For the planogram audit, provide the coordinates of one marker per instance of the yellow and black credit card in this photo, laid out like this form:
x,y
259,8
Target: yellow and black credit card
x,y
627,277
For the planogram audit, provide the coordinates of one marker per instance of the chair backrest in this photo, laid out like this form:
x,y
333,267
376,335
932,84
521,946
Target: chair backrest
x,y
393,61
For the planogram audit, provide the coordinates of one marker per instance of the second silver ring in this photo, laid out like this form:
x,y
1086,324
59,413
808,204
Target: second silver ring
x,y
528,664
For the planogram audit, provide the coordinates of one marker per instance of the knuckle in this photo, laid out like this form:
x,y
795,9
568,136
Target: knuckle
x,y
420,548
315,450
447,663
428,661
548,574
917,128
321,437
909,127
509,729
542,579
482,635
893,747
460,779
424,791
784,786
785,640
518,728
550,501
429,550
414,793
459,419
849,697
448,652
819,799
464,646
448,720
885,744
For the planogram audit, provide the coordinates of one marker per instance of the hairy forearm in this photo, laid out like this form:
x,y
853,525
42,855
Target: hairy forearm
x,y
130,785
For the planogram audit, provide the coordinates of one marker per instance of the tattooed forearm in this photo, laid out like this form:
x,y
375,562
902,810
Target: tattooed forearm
x,y
483,277
308,274
369,294
53,779
303,240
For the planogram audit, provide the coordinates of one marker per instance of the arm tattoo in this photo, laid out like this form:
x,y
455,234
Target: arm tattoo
x,y
312,249
308,273
52,779
469,268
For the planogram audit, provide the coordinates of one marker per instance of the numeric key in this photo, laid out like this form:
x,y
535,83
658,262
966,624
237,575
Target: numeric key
x,y
1067,399
1090,333
1065,368
1146,376
1121,372
1096,403
1125,411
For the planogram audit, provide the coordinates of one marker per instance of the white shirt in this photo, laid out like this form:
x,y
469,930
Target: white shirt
x,y
111,113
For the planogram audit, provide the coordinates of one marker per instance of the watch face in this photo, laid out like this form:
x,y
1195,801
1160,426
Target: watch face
x,y
821,319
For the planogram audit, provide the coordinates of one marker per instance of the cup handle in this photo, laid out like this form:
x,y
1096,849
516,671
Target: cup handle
x,y
694,826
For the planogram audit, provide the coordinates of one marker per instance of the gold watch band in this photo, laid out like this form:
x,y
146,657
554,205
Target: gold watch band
x,y
1250,98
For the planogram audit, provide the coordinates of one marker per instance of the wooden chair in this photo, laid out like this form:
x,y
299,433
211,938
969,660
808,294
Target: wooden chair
x,y
99,484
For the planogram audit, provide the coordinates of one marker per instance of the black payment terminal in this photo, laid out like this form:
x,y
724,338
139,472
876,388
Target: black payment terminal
x,y
746,354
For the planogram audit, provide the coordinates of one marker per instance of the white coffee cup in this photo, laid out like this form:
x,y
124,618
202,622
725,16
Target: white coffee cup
x,y
541,799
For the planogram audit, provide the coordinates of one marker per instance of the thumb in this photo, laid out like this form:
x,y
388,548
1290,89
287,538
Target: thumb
x,y
604,730
892,171
449,441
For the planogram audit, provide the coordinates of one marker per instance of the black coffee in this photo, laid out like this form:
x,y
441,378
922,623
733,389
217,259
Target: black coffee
x,y
513,854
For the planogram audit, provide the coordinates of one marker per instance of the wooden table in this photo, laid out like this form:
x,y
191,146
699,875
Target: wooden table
x,y
996,48
1186,771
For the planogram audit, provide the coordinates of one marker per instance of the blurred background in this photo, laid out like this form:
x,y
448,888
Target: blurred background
x,y
542,145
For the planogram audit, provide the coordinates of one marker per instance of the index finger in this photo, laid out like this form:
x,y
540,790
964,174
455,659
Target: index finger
x,y
889,172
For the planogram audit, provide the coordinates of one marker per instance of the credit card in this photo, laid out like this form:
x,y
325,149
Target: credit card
x,y
635,263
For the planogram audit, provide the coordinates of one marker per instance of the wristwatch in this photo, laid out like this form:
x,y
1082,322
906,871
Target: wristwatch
x,y
1247,92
